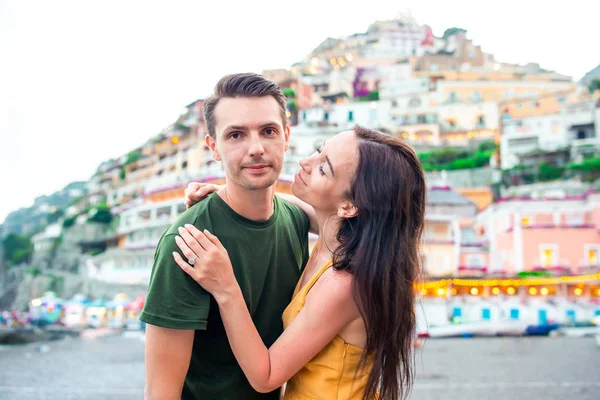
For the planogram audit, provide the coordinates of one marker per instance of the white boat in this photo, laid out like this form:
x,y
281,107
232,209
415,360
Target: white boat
x,y
581,331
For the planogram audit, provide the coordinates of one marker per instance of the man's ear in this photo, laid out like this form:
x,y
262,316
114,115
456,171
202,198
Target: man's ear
x,y
286,133
212,145
347,210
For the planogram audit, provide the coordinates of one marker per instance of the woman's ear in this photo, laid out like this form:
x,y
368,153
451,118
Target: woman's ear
x,y
347,210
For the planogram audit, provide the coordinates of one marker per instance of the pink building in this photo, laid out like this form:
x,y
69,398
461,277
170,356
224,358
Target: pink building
x,y
561,235
451,247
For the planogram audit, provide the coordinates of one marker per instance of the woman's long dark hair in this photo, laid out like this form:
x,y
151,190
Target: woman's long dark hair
x,y
380,247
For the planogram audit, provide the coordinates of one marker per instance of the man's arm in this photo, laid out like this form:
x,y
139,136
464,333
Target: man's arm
x,y
168,354
175,308
195,192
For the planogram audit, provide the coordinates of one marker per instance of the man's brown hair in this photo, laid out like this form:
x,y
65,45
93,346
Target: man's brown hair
x,y
242,85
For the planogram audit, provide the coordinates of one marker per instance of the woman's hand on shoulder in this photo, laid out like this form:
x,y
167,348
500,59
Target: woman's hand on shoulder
x,y
196,192
207,262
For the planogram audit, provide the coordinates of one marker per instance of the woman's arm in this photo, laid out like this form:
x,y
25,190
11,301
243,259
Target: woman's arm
x,y
307,208
195,192
328,309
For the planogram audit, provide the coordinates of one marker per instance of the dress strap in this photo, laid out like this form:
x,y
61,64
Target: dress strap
x,y
316,277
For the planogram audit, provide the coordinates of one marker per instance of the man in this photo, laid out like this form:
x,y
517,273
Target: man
x,y
187,351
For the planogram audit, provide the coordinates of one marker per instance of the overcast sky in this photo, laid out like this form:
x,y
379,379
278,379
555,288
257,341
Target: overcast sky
x,y
85,81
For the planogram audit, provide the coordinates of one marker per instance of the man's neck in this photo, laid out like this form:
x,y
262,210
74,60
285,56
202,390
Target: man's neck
x,y
256,205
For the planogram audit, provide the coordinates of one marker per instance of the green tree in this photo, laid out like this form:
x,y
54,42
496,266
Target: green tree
x,y
69,222
133,157
101,214
290,93
55,216
594,85
550,173
17,249
487,145
453,31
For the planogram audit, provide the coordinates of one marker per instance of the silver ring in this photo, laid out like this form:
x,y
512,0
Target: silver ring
x,y
192,260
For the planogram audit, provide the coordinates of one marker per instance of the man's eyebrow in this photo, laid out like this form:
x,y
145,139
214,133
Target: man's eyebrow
x,y
236,127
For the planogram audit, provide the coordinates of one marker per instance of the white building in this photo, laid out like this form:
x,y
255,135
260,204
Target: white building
x,y
45,240
398,85
520,136
333,82
581,124
140,229
372,114
400,37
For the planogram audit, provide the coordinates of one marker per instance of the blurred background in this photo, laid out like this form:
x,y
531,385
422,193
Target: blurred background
x,y
101,129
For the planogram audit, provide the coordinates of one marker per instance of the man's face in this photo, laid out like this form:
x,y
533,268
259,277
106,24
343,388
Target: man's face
x,y
250,140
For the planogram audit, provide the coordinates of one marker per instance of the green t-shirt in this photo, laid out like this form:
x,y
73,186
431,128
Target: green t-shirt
x,y
267,258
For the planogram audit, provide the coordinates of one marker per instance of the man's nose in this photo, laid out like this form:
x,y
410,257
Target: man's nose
x,y
256,148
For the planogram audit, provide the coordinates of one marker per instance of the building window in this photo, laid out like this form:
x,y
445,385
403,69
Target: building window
x,y
373,115
475,261
548,255
414,102
303,115
350,116
592,255
481,121
184,165
561,100
326,116
452,97
575,219
526,221
476,96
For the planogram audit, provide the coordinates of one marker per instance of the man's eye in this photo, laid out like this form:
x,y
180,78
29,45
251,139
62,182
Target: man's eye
x,y
270,132
234,135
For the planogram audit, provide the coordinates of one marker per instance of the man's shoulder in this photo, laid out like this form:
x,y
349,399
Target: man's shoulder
x,y
291,213
199,213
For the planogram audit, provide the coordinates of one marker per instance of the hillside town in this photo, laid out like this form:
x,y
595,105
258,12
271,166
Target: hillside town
x,y
511,155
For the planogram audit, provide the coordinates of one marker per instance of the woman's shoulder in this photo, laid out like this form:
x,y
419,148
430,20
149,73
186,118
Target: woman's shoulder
x,y
334,287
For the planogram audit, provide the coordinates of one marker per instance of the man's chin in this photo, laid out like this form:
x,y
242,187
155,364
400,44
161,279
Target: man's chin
x,y
260,184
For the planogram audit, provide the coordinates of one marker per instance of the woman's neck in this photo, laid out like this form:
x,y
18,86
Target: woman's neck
x,y
329,224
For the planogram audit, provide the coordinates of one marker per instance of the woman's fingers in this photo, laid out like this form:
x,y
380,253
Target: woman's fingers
x,y
214,240
195,192
206,244
187,252
191,241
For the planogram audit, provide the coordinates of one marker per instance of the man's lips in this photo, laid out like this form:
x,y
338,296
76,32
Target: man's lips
x,y
257,168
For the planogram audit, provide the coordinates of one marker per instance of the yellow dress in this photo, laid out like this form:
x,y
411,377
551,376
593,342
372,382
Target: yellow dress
x,y
330,375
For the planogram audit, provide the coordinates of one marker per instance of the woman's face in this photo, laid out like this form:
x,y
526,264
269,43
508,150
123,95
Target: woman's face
x,y
326,176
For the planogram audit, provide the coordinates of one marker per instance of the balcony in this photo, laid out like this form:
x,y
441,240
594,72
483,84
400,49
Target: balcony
x,y
560,266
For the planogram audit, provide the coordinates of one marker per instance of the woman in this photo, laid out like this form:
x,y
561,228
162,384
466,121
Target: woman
x,y
350,325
